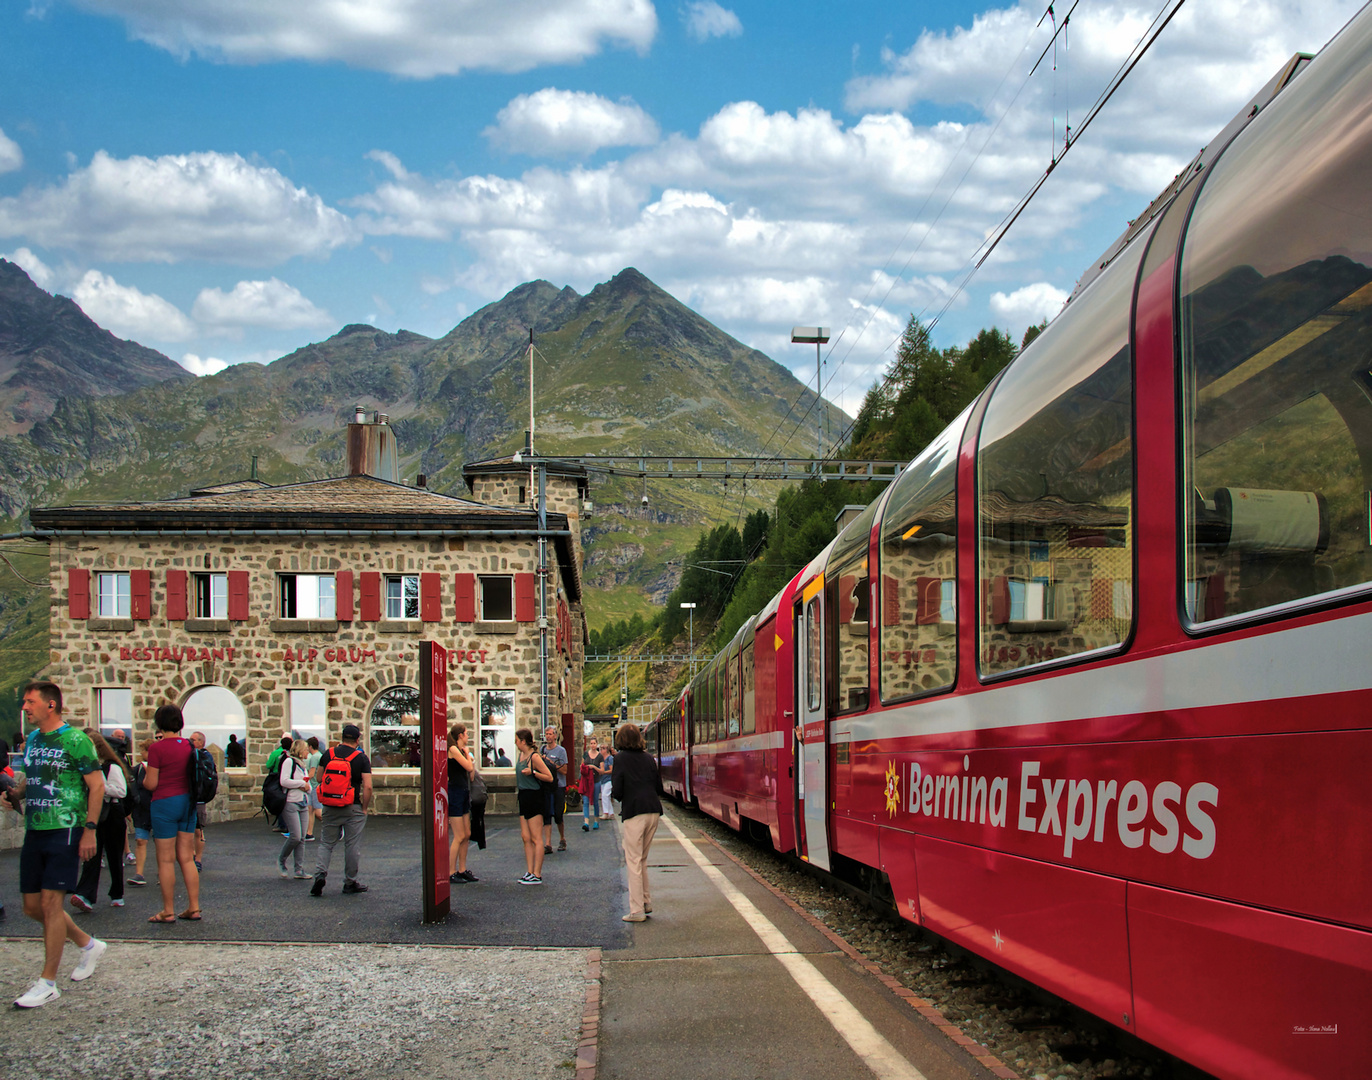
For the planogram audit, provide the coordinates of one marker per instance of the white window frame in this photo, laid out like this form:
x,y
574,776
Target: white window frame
x,y
217,594
114,709
493,579
112,594
315,596
397,603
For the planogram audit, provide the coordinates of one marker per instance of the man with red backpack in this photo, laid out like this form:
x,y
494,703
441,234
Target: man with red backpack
x,y
344,779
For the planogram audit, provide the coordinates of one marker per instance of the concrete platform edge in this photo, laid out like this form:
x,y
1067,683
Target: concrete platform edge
x,y
952,1032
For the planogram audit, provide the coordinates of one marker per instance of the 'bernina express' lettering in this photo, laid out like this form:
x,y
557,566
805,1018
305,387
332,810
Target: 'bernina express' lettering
x,y
1078,809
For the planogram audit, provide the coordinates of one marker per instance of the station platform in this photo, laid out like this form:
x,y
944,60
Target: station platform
x,y
725,980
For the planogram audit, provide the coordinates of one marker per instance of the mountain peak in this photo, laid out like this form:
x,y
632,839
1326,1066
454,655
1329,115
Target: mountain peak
x,y
50,348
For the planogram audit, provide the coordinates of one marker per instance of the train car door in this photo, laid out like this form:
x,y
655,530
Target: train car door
x,y
814,788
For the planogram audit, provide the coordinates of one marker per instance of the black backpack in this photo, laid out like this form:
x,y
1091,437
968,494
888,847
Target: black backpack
x,y
273,794
203,776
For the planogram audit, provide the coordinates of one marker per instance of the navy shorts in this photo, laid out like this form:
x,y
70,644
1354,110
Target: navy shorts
x,y
554,804
172,815
50,859
459,801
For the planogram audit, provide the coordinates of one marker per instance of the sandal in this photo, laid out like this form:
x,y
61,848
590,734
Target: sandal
x,y
163,917
190,914
562,846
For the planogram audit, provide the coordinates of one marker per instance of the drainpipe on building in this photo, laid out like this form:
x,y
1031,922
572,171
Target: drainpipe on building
x,y
543,591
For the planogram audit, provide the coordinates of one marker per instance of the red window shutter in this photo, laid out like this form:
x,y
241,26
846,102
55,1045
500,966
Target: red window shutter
x,y
524,597
1102,598
371,596
176,596
238,595
929,600
1000,601
1215,597
430,598
890,601
343,595
79,594
140,594
464,586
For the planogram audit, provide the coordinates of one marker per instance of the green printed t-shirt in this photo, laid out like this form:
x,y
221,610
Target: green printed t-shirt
x,y
55,795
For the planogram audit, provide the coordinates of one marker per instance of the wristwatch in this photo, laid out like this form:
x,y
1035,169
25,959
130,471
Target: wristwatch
x,y
90,824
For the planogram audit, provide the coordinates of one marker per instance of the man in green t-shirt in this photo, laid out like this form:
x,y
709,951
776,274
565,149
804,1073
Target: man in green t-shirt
x,y
63,788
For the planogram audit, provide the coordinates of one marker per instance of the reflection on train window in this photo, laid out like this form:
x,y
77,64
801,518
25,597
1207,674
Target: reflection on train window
x,y
848,686
1055,487
735,713
1276,345
919,572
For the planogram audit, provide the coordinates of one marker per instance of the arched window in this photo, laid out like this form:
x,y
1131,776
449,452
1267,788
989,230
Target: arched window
x,y
217,712
394,729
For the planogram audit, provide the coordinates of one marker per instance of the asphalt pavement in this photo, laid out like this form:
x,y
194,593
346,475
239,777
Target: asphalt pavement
x,y
245,900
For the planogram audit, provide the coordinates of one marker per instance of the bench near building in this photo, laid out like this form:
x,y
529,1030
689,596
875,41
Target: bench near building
x,y
264,609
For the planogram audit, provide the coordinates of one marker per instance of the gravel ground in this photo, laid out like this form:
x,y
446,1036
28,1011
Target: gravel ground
x,y
1037,1036
310,1012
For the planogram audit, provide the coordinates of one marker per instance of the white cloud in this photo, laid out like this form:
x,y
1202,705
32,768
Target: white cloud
x,y
705,19
272,304
412,38
11,157
127,312
561,123
208,366
1028,305
217,207
32,265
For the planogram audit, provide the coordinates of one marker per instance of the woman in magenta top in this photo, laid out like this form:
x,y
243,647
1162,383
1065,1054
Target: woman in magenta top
x,y
173,814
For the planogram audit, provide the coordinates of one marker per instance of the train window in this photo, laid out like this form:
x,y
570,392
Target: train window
x,y
735,706
814,656
1055,486
749,690
919,572
1276,288
848,689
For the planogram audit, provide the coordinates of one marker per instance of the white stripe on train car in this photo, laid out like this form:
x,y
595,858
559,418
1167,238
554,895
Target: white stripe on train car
x,y
1304,661
765,740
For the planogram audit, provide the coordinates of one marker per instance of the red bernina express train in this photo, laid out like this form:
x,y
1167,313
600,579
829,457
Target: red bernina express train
x,y
1089,685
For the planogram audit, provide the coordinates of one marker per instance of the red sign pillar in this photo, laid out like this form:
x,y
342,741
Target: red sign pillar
x,y
433,771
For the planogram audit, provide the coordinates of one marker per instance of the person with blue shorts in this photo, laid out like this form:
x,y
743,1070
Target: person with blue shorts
x,y
62,789
173,814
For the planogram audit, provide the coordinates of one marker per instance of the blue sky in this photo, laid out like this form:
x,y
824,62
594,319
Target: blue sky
x,y
227,180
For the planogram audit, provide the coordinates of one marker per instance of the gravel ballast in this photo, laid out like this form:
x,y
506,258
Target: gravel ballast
x,y
309,1012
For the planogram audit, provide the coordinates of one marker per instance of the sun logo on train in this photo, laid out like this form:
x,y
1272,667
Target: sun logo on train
x,y
892,789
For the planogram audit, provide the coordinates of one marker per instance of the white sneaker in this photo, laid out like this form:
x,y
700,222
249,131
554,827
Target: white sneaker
x,y
40,993
90,956
117,903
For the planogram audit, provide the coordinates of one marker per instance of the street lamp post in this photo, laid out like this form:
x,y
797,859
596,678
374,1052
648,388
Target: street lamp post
x,y
691,639
816,335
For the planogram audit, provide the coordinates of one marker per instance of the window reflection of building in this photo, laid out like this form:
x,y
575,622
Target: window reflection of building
x,y
394,728
217,712
496,716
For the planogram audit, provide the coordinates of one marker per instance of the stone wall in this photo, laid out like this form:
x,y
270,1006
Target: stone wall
x,y
264,657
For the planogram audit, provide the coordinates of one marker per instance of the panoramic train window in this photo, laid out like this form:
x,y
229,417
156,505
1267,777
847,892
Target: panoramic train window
x,y
1276,292
919,572
847,577
813,654
1055,486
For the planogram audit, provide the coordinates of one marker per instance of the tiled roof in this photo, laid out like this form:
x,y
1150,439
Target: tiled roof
x,y
355,497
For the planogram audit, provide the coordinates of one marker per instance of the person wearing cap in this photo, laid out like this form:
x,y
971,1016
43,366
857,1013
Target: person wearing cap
x,y
347,819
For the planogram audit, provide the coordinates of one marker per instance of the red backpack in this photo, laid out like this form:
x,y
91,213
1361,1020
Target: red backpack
x,y
336,788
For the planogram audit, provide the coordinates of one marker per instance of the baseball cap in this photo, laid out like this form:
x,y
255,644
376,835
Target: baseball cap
x,y
352,731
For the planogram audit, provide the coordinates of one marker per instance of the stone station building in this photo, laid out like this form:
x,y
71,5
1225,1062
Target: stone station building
x,y
266,609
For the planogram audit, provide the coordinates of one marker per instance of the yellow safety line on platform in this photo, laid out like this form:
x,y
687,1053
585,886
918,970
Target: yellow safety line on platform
x,y
870,1045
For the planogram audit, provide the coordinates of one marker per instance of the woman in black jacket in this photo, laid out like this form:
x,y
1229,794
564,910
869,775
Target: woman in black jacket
x,y
635,784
